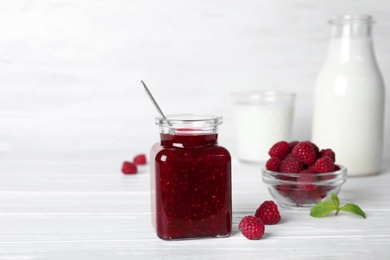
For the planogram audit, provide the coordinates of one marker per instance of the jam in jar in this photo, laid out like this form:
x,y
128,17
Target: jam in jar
x,y
190,179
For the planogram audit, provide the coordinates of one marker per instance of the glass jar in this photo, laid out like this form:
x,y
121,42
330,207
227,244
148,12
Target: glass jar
x,y
190,179
349,98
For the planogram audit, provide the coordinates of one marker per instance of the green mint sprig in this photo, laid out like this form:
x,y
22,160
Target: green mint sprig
x,y
325,207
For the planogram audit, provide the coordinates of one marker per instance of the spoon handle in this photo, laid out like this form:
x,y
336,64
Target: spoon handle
x,y
153,100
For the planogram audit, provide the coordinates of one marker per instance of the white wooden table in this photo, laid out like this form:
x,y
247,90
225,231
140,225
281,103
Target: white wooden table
x,y
83,207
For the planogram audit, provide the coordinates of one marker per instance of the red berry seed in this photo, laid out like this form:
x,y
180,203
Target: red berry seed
x,y
129,168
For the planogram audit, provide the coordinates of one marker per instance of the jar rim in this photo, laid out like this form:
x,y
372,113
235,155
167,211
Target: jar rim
x,y
188,120
352,19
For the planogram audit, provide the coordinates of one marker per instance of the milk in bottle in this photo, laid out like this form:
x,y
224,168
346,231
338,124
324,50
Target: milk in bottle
x,y
349,98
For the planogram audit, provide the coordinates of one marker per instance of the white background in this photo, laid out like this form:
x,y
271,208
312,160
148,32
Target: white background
x,y
70,70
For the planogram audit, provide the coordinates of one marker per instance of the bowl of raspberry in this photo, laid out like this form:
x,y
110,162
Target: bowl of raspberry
x,y
299,174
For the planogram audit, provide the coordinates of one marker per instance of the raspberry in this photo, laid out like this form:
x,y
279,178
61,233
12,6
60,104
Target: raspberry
x,y
310,165
318,194
129,168
324,164
140,159
311,168
280,150
290,155
306,171
305,152
251,227
327,177
315,147
284,189
299,196
273,164
291,165
329,153
305,181
268,213
293,144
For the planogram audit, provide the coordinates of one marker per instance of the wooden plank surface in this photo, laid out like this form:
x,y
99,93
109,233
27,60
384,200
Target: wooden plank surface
x,y
99,213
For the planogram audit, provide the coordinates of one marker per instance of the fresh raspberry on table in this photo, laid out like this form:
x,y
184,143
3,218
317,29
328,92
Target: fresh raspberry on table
x,y
273,164
291,165
140,159
251,227
324,164
305,152
129,168
280,150
328,152
268,213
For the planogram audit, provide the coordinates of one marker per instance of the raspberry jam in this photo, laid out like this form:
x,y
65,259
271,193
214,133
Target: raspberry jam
x,y
191,179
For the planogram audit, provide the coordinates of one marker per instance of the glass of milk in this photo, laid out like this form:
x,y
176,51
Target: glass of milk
x,y
262,118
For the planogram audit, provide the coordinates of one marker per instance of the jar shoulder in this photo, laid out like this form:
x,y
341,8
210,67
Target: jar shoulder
x,y
178,153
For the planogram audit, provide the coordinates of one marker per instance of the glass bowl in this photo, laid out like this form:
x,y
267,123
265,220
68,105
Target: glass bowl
x,y
294,190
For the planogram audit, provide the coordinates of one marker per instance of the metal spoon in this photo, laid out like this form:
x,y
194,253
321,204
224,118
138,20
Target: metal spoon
x,y
153,100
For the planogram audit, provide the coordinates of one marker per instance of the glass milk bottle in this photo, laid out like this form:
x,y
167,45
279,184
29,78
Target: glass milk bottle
x,y
349,98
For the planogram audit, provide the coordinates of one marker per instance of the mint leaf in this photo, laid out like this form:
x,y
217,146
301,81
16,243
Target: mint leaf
x,y
335,199
323,208
353,208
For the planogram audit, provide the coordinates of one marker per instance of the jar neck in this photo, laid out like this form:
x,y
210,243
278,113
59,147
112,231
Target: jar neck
x,y
188,141
351,27
188,130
